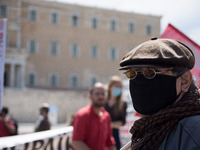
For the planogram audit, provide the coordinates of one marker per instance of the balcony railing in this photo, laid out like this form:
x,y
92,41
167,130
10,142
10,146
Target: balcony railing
x,y
16,53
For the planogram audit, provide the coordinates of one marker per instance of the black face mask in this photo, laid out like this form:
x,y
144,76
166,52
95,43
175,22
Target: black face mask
x,y
151,95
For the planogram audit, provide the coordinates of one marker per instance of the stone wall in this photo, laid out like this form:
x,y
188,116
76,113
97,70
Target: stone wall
x,y
24,104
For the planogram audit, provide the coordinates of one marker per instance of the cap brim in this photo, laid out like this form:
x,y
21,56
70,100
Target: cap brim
x,y
142,66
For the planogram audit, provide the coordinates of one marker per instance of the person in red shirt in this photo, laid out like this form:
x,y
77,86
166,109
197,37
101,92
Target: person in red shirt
x,y
6,124
92,124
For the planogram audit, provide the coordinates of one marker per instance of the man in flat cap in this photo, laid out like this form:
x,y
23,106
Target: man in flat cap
x,y
164,93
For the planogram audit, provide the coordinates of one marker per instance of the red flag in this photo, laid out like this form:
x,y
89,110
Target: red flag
x,y
137,114
173,33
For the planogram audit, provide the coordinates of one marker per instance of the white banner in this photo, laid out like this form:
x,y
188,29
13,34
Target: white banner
x,y
55,139
2,55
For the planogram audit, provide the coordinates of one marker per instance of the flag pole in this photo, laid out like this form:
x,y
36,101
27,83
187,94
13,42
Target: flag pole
x,y
127,146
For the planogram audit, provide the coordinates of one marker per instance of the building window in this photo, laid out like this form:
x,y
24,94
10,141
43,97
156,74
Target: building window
x,y
54,18
32,79
148,29
74,81
113,25
54,48
93,80
74,50
94,23
53,80
94,52
32,46
32,14
113,54
3,11
131,27
75,20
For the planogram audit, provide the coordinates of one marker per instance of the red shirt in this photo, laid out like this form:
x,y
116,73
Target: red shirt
x,y
3,130
93,130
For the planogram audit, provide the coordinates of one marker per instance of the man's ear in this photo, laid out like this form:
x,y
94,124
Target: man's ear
x,y
186,80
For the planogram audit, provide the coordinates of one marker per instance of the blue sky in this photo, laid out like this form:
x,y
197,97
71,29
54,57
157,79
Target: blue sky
x,y
183,14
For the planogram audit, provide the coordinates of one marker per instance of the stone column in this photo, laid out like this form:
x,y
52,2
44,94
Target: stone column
x,y
18,76
23,75
12,75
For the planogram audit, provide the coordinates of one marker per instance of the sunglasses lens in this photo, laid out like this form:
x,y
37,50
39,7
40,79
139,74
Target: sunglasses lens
x,y
131,74
149,73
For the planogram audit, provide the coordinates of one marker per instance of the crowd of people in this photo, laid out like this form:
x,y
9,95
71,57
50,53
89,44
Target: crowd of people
x,y
96,126
163,93
104,117
9,125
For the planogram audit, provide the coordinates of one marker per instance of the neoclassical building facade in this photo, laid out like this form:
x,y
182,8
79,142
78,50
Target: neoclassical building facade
x,y
66,46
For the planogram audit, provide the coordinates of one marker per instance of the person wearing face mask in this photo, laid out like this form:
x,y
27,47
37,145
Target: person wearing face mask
x,y
116,107
165,95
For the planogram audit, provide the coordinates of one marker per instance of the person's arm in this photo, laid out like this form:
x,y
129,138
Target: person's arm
x,y
111,145
116,124
79,145
10,126
79,132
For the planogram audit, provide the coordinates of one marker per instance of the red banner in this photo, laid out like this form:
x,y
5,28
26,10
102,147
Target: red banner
x,y
173,33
